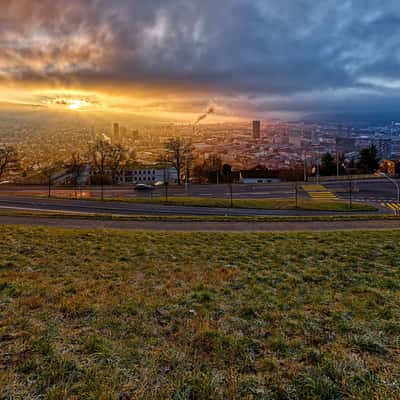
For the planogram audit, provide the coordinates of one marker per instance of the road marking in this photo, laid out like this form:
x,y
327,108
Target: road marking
x,y
313,187
319,192
262,195
392,206
49,210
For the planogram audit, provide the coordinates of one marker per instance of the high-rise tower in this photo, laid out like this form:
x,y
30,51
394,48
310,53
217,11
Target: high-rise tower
x,y
256,129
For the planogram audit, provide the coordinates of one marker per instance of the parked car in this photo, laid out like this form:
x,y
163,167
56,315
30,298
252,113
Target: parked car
x,y
143,186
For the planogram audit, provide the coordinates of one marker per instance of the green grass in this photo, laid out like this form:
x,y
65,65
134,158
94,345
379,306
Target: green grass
x,y
198,218
118,315
267,204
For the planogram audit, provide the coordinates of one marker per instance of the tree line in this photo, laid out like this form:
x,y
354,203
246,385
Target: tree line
x,y
108,159
104,157
366,163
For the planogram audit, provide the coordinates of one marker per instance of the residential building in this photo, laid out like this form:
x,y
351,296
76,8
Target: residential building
x,y
147,175
257,176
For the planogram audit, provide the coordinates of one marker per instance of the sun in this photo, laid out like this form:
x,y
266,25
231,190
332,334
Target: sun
x,y
75,104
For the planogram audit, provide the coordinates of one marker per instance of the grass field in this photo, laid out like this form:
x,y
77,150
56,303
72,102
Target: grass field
x,y
117,315
267,204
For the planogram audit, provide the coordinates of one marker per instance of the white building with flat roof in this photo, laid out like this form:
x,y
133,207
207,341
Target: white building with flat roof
x,y
148,175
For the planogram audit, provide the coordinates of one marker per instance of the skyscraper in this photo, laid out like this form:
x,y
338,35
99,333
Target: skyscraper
x,y
115,137
256,129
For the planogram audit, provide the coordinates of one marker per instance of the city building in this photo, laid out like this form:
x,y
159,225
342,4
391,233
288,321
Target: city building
x,y
295,140
147,175
384,147
257,176
115,135
345,145
314,139
256,129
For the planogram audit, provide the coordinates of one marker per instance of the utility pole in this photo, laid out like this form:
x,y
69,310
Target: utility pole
x,y
166,191
49,188
166,178
350,193
337,162
187,178
305,168
231,191
296,188
102,185
396,185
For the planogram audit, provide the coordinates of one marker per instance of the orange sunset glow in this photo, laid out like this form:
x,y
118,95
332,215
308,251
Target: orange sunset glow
x,y
134,58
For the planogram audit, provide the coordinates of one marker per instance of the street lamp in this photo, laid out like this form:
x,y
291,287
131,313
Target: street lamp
x,y
305,167
394,183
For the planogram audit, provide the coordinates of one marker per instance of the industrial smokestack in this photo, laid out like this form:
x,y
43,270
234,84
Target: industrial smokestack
x,y
210,110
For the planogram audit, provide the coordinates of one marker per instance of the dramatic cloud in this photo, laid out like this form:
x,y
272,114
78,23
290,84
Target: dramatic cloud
x,y
252,55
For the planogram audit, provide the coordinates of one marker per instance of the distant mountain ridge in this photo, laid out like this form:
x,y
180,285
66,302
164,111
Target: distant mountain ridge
x,y
354,118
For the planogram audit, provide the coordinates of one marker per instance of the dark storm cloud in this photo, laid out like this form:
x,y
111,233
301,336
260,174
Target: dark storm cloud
x,y
299,55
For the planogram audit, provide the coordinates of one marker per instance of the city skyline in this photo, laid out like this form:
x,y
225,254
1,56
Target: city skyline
x,y
173,60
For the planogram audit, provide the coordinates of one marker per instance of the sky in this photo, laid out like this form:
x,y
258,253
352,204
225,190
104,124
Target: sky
x,y
178,58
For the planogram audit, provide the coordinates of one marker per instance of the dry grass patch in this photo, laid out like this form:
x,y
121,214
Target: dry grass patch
x,y
122,315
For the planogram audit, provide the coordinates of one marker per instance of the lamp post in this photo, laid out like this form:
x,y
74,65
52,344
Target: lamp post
x,y
337,163
305,168
351,188
396,185
166,182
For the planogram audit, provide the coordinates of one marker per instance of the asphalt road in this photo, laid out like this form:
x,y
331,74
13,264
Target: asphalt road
x,y
281,190
372,190
375,190
125,208
31,199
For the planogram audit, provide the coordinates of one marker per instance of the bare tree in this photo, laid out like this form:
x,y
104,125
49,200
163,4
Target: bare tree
x,y
99,153
227,173
76,165
48,169
117,156
178,154
8,159
106,157
214,165
210,170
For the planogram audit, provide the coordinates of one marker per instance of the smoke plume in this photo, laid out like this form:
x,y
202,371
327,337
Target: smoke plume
x,y
210,110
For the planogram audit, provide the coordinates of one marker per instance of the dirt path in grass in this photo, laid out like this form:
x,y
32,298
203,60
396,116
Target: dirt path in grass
x,y
233,226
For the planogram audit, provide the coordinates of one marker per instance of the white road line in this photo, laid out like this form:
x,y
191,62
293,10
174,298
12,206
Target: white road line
x,y
41,209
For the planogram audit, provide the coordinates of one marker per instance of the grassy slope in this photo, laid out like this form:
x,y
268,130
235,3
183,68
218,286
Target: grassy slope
x,y
268,204
108,315
210,218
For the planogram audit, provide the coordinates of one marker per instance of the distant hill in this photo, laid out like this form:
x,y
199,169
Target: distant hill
x,y
354,118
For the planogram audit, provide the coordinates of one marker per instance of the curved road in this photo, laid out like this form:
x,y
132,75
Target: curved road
x,y
126,208
373,189
198,226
